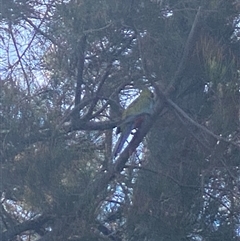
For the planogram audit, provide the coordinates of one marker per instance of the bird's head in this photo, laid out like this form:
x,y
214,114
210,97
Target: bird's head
x,y
146,93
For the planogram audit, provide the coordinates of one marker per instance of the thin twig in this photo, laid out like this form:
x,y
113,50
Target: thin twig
x,y
201,127
19,57
187,49
191,132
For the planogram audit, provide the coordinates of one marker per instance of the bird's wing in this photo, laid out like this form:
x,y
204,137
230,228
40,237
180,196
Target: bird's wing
x,y
127,126
126,131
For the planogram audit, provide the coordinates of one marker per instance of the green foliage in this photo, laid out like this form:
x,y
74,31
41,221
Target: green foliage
x,y
12,11
56,138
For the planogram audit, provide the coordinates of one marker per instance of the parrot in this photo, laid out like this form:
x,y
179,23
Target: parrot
x,y
133,116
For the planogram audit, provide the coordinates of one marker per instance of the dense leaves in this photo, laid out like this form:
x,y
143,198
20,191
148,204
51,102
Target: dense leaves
x,y
68,69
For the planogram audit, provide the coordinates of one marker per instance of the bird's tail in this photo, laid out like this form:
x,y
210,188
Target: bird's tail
x,y
123,137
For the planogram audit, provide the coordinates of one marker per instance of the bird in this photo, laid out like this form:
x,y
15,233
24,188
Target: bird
x,y
133,116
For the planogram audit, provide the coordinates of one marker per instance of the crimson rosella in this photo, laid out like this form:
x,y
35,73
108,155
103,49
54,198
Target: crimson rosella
x,y
133,116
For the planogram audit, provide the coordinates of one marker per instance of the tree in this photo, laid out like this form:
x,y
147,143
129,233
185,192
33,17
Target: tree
x,y
63,93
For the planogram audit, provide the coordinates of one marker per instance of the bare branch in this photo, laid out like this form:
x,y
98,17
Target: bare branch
x,y
187,49
19,56
105,76
38,30
22,227
203,128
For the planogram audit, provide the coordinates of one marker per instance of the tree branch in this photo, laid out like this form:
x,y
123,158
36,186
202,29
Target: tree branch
x,y
187,49
35,224
201,127
106,74
80,68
